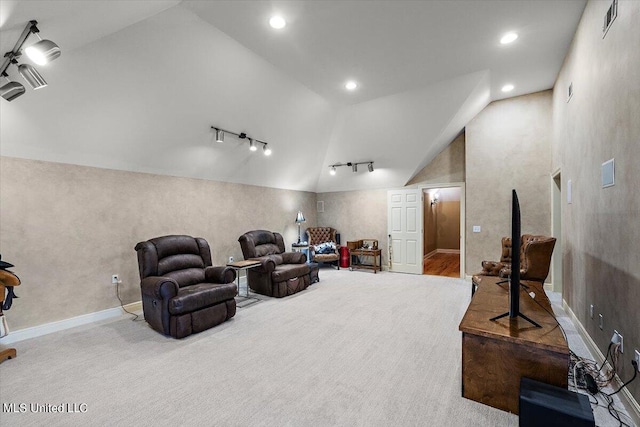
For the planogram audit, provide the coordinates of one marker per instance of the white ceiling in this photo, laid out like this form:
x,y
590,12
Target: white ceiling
x,y
139,76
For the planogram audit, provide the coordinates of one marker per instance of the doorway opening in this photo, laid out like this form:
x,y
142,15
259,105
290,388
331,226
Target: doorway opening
x,y
443,249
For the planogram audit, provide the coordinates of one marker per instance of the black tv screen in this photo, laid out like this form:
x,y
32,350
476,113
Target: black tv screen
x,y
514,278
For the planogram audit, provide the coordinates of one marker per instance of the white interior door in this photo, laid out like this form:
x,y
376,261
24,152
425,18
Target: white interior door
x,y
404,216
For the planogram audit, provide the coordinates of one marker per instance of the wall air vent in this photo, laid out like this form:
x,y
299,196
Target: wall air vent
x,y
612,12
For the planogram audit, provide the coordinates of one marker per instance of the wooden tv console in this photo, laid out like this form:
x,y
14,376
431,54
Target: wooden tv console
x,y
496,354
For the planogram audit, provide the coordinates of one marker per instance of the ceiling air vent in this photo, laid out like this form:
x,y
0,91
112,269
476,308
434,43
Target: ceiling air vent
x,y
612,12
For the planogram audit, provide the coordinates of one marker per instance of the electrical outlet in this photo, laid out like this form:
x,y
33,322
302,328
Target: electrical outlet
x,y
617,339
637,360
591,311
230,259
115,279
600,321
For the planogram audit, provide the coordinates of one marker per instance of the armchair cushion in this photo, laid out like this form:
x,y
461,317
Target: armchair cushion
x,y
194,297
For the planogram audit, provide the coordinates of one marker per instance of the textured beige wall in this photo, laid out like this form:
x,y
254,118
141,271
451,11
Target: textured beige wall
x,y
447,166
68,228
600,230
430,242
448,224
508,145
357,215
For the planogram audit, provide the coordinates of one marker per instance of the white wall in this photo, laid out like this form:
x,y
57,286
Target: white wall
x,y
144,99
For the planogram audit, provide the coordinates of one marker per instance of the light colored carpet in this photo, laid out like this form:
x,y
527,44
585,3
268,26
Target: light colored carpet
x,y
355,349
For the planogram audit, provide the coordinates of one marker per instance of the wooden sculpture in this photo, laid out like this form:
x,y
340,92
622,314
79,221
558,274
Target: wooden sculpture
x,y
7,282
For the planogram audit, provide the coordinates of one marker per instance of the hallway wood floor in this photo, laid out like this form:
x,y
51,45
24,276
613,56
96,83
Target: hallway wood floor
x,y
442,264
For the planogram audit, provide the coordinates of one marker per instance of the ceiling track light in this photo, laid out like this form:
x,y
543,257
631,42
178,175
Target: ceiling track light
x,y
219,135
41,52
353,165
11,90
252,141
32,76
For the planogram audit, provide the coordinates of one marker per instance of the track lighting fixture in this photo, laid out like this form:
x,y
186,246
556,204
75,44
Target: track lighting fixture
x,y
32,76
11,90
252,141
353,165
41,52
219,135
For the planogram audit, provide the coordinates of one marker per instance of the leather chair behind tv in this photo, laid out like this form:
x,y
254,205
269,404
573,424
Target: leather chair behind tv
x,y
182,293
535,259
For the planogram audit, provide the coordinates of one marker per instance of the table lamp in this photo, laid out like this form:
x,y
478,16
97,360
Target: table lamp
x,y
299,219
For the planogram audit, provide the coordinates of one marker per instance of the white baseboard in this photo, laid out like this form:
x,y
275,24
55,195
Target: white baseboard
x,y
61,325
432,253
448,251
627,398
442,251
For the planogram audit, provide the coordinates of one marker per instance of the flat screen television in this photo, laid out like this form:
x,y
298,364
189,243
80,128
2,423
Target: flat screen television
x,y
514,277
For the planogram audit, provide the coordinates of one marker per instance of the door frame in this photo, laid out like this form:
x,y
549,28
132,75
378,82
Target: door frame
x,y
556,229
463,254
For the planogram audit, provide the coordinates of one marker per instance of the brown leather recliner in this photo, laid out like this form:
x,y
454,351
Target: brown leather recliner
x,y
280,273
535,258
182,293
319,235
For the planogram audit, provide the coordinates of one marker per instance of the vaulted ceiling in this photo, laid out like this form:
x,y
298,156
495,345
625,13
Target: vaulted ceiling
x,y
140,83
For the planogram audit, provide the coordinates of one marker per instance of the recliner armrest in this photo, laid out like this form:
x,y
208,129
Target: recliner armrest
x,y
159,287
220,274
294,257
267,263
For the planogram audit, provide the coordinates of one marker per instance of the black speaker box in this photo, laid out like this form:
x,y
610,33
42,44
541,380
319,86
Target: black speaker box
x,y
550,406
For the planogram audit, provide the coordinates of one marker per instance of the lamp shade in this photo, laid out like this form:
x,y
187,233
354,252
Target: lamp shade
x,y
32,76
11,91
43,52
300,218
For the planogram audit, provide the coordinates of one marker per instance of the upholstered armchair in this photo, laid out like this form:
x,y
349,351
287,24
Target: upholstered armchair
x,y
182,293
280,273
323,245
535,258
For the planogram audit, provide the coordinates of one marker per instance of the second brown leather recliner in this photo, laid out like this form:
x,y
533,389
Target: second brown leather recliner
x,y
280,273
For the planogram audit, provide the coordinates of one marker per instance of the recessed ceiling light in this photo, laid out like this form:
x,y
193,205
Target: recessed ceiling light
x,y
507,88
508,38
277,22
351,85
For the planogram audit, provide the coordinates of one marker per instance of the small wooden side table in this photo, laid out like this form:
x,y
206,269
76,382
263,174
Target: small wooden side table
x,y
375,253
239,266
